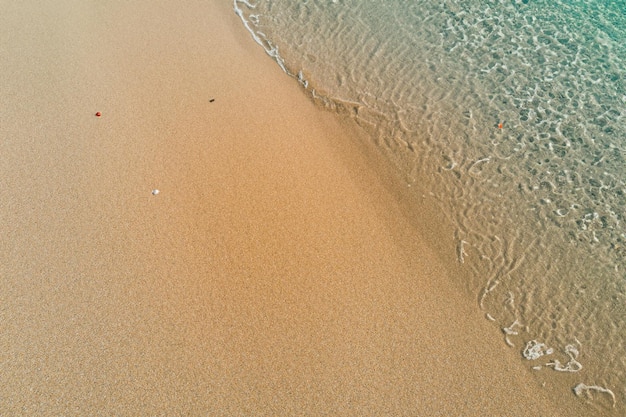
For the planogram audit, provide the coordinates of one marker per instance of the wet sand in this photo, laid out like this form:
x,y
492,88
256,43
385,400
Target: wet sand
x,y
279,270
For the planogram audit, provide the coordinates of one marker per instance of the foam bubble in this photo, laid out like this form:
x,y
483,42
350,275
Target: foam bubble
x,y
572,366
534,350
583,388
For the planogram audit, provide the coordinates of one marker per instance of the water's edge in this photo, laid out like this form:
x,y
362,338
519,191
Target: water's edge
x,y
505,259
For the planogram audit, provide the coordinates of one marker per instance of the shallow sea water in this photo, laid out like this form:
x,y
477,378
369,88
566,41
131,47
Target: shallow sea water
x,y
513,112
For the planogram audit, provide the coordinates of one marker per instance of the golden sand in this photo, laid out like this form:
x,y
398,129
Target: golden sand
x,y
278,271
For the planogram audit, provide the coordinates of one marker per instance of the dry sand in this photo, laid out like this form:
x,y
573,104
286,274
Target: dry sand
x,y
279,270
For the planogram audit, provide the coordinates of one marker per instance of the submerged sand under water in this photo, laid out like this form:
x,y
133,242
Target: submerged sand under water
x,y
511,116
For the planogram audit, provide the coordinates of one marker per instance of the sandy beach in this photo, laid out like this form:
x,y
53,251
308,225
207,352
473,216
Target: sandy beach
x,y
280,270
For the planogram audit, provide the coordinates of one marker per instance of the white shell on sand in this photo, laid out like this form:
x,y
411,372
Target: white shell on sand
x,y
155,192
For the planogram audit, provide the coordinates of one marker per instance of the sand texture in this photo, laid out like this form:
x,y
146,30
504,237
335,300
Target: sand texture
x,y
278,271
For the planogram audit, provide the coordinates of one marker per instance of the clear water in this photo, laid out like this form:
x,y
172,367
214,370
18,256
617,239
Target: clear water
x,y
513,112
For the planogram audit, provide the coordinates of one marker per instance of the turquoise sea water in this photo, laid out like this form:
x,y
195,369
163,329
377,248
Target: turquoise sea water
x,y
513,112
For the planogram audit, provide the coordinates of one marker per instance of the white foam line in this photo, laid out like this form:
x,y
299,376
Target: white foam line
x,y
461,254
273,52
480,161
578,390
487,159
572,366
510,331
491,285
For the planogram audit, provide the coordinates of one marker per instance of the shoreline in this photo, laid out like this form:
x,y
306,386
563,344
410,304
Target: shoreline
x,y
277,271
